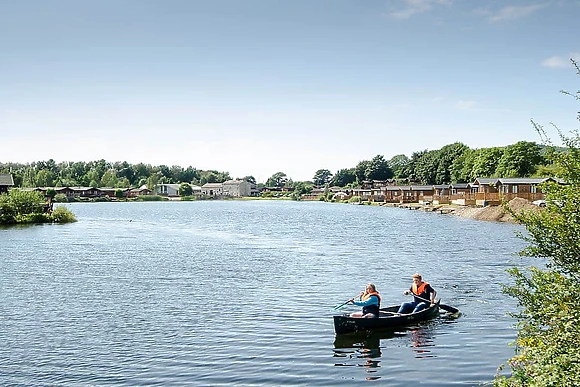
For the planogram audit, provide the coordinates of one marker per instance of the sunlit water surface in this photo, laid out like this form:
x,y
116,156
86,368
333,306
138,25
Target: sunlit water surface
x,y
241,293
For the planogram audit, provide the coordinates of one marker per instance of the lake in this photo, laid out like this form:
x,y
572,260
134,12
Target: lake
x,y
242,293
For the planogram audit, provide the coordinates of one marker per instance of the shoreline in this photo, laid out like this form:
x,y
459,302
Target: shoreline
x,y
488,213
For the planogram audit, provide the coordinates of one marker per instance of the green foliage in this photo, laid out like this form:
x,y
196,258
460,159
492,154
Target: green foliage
x,y
28,207
549,334
300,189
322,177
486,162
360,171
60,198
344,177
185,189
519,160
446,156
62,215
278,179
398,164
378,169
249,179
24,202
354,199
151,198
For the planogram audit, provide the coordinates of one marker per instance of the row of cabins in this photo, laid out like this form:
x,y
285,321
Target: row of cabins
x,y
483,191
230,188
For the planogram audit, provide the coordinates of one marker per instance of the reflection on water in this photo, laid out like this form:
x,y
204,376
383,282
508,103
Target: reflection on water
x,y
421,340
361,349
366,349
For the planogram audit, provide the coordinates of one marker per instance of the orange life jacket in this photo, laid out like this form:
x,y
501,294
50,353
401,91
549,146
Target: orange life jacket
x,y
368,295
418,290
374,309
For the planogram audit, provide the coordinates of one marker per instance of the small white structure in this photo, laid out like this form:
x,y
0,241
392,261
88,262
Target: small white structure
x,y
167,189
196,189
212,189
237,188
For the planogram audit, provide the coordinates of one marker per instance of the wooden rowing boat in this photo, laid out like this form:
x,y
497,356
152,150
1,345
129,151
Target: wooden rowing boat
x,y
387,319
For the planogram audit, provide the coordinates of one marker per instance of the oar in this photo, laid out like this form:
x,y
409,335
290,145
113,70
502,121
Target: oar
x,y
341,305
447,308
344,303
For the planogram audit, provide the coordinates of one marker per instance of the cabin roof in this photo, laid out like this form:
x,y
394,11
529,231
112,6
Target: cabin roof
x,y
6,179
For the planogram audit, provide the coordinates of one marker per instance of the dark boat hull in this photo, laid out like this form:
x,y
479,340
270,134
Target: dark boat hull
x,y
387,319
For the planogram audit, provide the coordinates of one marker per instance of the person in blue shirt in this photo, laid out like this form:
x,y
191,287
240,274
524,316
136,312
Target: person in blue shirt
x,y
370,300
422,292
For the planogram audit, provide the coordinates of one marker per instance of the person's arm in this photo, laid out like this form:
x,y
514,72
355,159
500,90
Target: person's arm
x,y
433,295
370,301
360,296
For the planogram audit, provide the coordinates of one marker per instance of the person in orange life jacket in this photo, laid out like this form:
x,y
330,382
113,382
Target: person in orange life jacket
x,y
370,300
419,288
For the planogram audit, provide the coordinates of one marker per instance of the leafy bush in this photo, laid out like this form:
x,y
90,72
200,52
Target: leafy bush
x,y
62,215
150,198
549,334
60,198
29,207
354,199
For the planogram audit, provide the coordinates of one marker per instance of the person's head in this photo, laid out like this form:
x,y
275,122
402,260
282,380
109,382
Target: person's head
x,y
371,288
417,278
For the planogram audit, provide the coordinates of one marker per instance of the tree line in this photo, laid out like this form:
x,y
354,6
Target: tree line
x,y
453,163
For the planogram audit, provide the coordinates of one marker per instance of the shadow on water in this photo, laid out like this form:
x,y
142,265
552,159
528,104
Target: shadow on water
x,y
361,349
365,349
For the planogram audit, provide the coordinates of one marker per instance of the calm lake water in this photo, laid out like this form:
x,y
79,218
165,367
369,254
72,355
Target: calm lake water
x,y
241,293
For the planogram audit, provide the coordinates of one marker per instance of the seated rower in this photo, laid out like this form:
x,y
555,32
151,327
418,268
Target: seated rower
x,y
370,300
422,292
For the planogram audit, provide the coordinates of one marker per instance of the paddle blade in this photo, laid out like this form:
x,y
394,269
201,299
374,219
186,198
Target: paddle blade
x,y
449,309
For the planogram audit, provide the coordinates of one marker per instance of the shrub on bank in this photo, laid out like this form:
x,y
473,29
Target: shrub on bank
x,y
549,334
21,207
150,198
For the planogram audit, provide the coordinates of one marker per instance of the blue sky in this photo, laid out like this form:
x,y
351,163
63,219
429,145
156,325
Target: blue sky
x,y
258,87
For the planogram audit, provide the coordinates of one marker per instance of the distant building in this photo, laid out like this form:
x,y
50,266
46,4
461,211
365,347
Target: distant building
x,y
143,190
237,188
167,189
6,182
212,189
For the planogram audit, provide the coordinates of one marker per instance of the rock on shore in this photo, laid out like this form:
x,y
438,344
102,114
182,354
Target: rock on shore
x,y
496,213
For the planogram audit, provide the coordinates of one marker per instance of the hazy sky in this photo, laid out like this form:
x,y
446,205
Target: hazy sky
x,y
259,87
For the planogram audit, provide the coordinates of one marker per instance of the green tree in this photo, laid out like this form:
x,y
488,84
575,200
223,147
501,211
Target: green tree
x,y
519,160
185,189
278,179
446,156
322,177
486,162
378,169
343,177
45,178
301,188
109,178
549,334
425,166
249,179
398,164
462,167
360,171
